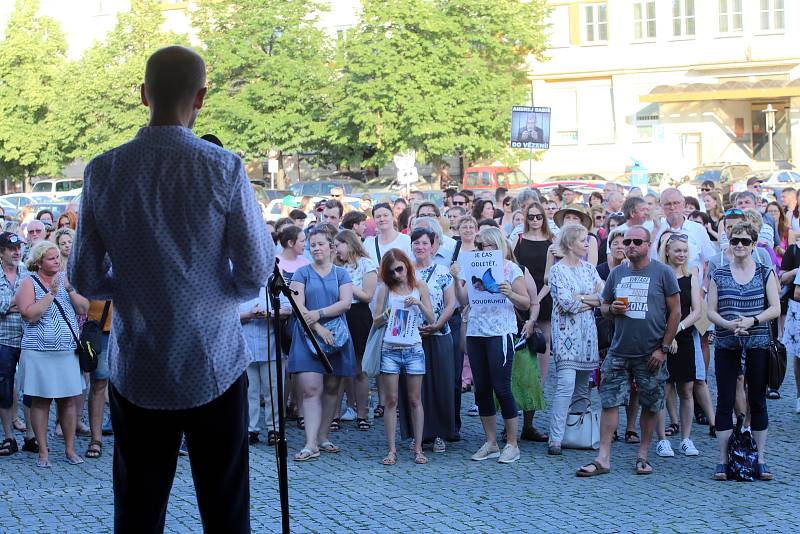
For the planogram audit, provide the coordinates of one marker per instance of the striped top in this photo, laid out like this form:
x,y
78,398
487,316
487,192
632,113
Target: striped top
x,y
736,299
50,332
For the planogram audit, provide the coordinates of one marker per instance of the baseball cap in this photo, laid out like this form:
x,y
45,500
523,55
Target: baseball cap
x,y
10,239
754,180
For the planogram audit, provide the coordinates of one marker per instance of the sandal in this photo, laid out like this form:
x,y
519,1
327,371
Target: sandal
x,y
327,446
8,447
672,429
378,412
362,424
632,437
305,455
598,470
301,423
335,426
763,472
95,450
272,438
643,467
721,472
534,434
390,459
75,460
420,458
18,425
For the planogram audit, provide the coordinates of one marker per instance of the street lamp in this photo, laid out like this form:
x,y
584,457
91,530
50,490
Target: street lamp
x,y
769,115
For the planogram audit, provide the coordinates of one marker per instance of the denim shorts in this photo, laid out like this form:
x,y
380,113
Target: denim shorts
x,y
102,372
409,359
9,357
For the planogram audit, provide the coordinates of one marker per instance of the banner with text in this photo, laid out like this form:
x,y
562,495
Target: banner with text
x,y
530,127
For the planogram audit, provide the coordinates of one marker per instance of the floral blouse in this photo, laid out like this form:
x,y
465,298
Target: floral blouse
x,y
440,279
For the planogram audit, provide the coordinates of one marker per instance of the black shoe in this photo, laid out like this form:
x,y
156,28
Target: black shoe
x,y
712,431
30,445
773,394
8,447
700,418
272,438
253,438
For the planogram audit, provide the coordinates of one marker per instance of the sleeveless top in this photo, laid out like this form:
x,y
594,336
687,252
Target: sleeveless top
x,y
741,299
50,332
685,284
396,299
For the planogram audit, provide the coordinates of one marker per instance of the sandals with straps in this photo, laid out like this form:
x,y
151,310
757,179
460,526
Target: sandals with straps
x,y
95,450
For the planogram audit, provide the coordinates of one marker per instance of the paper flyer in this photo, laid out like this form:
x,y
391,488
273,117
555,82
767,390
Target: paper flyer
x,y
483,273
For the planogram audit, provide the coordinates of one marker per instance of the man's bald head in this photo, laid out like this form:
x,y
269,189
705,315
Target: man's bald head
x,y
173,77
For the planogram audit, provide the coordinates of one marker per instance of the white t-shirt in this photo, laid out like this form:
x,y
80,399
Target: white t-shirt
x,y
491,321
402,242
700,247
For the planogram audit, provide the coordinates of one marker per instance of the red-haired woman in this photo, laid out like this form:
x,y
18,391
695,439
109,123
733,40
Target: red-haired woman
x,y
406,300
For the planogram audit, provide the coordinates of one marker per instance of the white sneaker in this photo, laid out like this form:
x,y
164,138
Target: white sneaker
x,y
348,415
797,406
438,445
486,452
688,448
509,455
473,411
664,449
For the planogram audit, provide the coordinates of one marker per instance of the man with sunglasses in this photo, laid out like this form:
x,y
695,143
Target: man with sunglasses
x,y
700,247
748,200
643,298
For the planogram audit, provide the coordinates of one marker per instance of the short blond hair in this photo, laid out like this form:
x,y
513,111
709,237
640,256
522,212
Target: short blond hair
x,y
569,235
37,253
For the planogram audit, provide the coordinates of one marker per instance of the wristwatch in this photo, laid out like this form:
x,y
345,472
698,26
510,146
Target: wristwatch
x,y
755,320
666,349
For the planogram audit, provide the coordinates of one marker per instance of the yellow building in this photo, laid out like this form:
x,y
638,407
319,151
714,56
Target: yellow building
x,y
670,83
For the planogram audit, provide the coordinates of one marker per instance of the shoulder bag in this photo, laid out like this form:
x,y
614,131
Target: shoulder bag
x,y
88,354
371,361
337,326
776,350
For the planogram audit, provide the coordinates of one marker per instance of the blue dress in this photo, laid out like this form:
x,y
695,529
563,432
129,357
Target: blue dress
x,y
320,292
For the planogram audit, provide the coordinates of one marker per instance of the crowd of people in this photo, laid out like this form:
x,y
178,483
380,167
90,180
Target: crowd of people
x,y
629,294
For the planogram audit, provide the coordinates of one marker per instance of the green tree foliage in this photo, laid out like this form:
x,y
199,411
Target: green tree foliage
x,y
104,108
438,76
32,56
269,73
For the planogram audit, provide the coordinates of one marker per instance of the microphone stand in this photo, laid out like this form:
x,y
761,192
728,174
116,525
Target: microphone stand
x,y
277,287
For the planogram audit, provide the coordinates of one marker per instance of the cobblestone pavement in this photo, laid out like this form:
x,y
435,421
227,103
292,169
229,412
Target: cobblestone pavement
x,y
351,491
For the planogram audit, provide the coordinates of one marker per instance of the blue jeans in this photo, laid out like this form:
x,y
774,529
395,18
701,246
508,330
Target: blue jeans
x,y
9,357
102,372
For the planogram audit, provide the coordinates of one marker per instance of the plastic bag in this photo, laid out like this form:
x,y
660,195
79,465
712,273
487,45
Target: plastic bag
x,y
526,382
742,454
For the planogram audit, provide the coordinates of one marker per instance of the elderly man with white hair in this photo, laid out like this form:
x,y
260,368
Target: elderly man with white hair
x,y
700,247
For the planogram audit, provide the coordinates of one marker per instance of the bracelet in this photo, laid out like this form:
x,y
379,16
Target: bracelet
x,y
681,326
321,312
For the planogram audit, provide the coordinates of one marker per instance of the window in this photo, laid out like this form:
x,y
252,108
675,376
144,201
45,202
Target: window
x,y
730,16
771,15
559,27
644,20
564,125
595,23
472,179
683,18
646,121
486,179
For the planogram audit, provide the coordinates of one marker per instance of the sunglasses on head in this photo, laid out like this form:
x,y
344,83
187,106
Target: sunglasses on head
x,y
733,211
535,217
678,237
616,214
744,241
637,242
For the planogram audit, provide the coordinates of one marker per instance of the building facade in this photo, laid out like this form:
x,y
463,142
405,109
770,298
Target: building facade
x,y
670,84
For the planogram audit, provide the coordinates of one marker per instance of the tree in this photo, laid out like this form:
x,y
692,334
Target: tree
x,y
437,76
103,108
270,72
31,59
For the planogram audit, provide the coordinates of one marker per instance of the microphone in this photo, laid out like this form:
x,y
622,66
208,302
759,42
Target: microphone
x,y
211,138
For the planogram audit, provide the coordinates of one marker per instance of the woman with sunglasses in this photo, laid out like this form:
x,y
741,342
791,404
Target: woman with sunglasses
x,y
598,214
530,249
742,300
324,293
673,251
490,348
506,222
401,291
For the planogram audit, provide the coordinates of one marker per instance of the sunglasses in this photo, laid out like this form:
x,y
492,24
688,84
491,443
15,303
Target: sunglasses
x,y
535,217
705,189
637,242
678,237
744,241
336,196
733,211
599,217
458,203
399,269
616,214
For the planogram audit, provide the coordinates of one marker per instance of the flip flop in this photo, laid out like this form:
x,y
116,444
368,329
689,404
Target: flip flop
x,y
598,470
327,446
641,467
75,460
305,455
18,425
420,458
632,437
391,459
45,464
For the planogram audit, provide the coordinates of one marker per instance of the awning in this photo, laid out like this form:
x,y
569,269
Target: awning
x,y
692,92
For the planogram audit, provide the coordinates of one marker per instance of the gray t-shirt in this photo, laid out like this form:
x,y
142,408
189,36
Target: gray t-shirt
x,y
639,332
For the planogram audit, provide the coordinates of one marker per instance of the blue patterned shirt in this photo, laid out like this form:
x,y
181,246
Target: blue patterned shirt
x,y
178,220
10,322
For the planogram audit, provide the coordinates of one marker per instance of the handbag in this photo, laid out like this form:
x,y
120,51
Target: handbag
x,y
742,454
340,336
776,352
88,354
93,331
605,330
582,430
371,361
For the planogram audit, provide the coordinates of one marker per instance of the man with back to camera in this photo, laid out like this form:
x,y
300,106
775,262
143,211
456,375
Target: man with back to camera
x,y
177,353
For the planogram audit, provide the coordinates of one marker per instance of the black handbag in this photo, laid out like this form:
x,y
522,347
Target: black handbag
x,y
742,454
93,331
776,352
88,353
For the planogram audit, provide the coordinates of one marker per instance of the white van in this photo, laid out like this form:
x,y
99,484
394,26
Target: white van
x,y
61,186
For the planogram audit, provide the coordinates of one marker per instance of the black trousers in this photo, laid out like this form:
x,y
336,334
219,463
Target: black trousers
x,y
146,446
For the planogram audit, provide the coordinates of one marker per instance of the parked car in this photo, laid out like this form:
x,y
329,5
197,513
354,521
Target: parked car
x,y
723,174
488,177
321,188
580,183
772,181
10,211
20,200
53,188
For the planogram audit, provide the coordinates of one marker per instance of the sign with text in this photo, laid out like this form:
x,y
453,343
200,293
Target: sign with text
x,y
483,273
530,127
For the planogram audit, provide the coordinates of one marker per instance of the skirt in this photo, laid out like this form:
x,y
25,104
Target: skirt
x,y
682,364
437,397
791,330
359,320
50,374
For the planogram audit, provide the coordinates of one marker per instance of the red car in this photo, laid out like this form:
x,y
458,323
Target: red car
x,y
490,178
